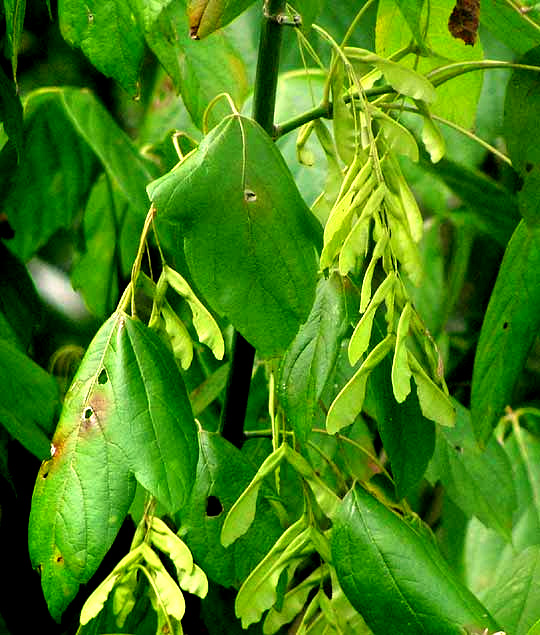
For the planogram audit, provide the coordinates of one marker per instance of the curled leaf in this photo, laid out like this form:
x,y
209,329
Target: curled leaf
x,y
206,16
348,404
207,329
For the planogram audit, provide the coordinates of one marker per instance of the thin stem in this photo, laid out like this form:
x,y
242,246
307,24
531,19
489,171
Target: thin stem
x,y
264,101
437,77
455,126
444,74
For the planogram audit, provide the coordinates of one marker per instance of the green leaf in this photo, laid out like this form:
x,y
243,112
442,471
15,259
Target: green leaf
x,y
95,273
161,445
432,137
515,28
310,359
259,591
308,11
222,475
434,401
348,404
191,578
205,325
11,112
521,111
412,12
401,372
126,411
256,263
479,482
486,554
108,34
77,509
242,513
20,305
61,127
514,598
199,70
294,601
535,629
15,10
408,437
210,389
206,16
510,325
28,400
95,602
403,79
117,153
456,101
52,178
394,575
361,336
491,203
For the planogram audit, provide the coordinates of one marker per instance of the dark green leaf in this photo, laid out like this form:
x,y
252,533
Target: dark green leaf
x,y
247,233
20,306
157,431
62,127
494,206
206,16
11,113
118,155
521,112
395,577
222,475
514,598
158,27
95,274
510,325
487,555
408,437
308,11
479,482
28,399
15,10
108,34
515,28
310,359
53,176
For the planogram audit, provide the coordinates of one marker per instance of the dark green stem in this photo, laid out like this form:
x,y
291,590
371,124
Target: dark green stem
x,y
264,100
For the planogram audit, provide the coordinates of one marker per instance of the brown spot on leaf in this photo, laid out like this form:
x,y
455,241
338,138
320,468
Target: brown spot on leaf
x,y
59,559
464,20
94,413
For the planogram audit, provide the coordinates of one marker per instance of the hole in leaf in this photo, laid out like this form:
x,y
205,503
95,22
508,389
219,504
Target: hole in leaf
x,y
45,474
103,378
458,449
250,196
213,506
59,559
88,413
505,326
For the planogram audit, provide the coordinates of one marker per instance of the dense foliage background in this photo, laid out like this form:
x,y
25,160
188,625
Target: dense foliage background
x,y
359,214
